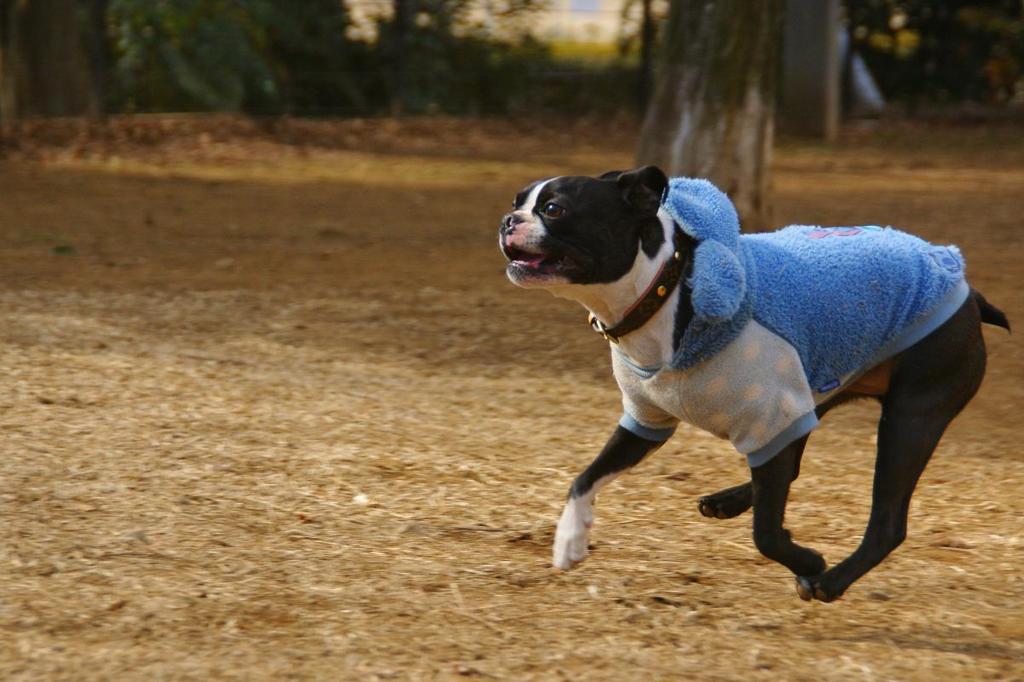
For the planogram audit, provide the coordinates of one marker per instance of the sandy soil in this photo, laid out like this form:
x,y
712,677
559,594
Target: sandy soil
x,y
270,410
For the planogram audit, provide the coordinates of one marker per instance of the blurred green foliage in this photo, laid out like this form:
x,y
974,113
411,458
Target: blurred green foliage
x,y
190,54
281,56
941,50
271,57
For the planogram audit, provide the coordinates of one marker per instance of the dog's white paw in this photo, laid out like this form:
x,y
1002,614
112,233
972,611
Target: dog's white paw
x,y
572,533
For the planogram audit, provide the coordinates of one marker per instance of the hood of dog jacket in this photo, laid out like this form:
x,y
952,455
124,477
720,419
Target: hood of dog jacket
x,y
841,298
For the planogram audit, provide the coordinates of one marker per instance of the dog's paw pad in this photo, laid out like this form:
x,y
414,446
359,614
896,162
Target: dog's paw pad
x,y
725,504
709,508
809,588
804,588
712,510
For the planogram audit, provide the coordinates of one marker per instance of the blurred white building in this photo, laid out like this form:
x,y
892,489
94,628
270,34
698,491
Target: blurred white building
x,y
582,21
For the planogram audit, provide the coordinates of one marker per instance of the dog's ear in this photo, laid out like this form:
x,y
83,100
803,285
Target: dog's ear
x,y
610,175
643,188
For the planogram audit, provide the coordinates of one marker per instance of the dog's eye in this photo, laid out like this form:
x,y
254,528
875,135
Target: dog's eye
x,y
553,210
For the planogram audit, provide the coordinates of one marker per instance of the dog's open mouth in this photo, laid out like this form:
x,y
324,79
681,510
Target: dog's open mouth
x,y
535,262
529,262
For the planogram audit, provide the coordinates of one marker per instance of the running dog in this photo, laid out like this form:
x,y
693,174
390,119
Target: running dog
x,y
753,338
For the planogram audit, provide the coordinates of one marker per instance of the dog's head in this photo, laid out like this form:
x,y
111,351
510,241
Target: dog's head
x,y
579,230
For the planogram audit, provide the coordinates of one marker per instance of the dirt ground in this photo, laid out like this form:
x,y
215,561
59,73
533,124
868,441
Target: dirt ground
x,y
270,410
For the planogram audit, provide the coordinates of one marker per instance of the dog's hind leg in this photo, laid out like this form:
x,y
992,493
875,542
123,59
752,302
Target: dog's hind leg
x,y
770,488
931,383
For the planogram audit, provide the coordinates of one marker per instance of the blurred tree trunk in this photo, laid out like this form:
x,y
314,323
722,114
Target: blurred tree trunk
x,y
646,43
400,78
44,69
97,45
6,81
712,112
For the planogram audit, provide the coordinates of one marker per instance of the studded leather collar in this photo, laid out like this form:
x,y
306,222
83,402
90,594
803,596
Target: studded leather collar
x,y
638,314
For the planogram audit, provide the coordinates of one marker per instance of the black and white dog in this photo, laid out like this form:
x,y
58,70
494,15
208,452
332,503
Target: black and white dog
x,y
607,242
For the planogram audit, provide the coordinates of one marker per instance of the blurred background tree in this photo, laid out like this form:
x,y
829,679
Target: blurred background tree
x,y
44,66
495,57
923,51
192,55
712,111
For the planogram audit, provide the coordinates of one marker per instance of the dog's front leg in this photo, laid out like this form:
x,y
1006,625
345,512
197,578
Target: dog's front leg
x,y
770,489
725,504
622,451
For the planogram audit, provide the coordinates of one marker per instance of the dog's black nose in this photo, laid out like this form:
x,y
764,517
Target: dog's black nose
x,y
509,222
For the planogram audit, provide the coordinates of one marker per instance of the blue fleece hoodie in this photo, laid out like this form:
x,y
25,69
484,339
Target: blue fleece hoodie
x,y
844,298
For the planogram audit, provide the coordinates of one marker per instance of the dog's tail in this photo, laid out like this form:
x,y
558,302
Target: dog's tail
x,y
989,313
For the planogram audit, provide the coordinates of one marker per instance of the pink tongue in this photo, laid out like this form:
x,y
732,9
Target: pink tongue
x,y
534,262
